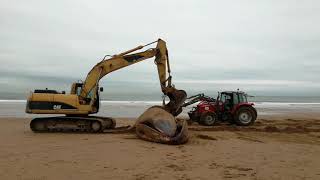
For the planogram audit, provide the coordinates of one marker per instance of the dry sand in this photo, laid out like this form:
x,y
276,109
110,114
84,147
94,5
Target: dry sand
x,y
274,148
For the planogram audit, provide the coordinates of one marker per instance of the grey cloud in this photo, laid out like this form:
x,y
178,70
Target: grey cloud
x,y
60,41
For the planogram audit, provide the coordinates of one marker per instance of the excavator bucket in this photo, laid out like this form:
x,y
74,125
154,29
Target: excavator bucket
x,y
157,125
177,99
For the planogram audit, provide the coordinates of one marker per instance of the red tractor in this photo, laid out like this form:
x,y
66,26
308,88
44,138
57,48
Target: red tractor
x,y
231,106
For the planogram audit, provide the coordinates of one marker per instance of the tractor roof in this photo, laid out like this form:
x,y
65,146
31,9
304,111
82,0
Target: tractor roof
x,y
239,92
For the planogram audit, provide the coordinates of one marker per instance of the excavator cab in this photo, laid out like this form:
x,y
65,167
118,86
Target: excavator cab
x,y
76,88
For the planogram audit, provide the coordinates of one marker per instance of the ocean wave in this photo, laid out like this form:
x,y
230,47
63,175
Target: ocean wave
x,y
284,104
160,103
13,101
132,102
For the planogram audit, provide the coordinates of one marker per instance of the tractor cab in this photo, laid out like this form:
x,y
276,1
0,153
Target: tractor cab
x,y
229,99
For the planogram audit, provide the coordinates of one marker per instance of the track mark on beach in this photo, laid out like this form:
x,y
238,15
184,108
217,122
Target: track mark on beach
x,y
141,176
239,168
35,178
130,137
206,137
246,138
184,177
214,165
176,167
59,161
237,172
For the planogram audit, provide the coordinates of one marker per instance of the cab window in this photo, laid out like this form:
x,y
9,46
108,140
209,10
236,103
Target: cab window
x,y
242,98
223,97
90,94
235,98
78,90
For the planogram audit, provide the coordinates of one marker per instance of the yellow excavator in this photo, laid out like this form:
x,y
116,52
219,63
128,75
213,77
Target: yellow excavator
x,y
84,100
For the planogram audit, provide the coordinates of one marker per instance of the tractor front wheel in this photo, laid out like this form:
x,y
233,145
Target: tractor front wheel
x,y
244,116
208,119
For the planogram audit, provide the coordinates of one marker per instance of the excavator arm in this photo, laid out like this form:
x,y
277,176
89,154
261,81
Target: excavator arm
x,y
125,59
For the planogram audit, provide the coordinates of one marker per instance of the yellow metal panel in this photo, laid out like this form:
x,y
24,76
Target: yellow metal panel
x,y
70,99
42,97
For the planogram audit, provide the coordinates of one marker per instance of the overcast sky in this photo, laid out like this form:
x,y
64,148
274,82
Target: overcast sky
x,y
265,47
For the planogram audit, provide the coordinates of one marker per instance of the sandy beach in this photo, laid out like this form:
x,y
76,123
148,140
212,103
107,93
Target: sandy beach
x,y
62,61
276,147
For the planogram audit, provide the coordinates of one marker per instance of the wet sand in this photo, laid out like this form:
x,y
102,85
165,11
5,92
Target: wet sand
x,y
276,147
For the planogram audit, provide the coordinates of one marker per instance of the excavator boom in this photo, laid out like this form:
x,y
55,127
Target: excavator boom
x,y
125,59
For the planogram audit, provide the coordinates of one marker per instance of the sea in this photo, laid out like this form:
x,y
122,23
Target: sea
x,y
265,105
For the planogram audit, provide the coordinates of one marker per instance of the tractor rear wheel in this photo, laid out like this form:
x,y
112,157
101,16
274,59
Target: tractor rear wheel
x,y
208,119
245,116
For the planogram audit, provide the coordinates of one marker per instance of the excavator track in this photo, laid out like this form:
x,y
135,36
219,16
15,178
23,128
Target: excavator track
x,y
88,124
